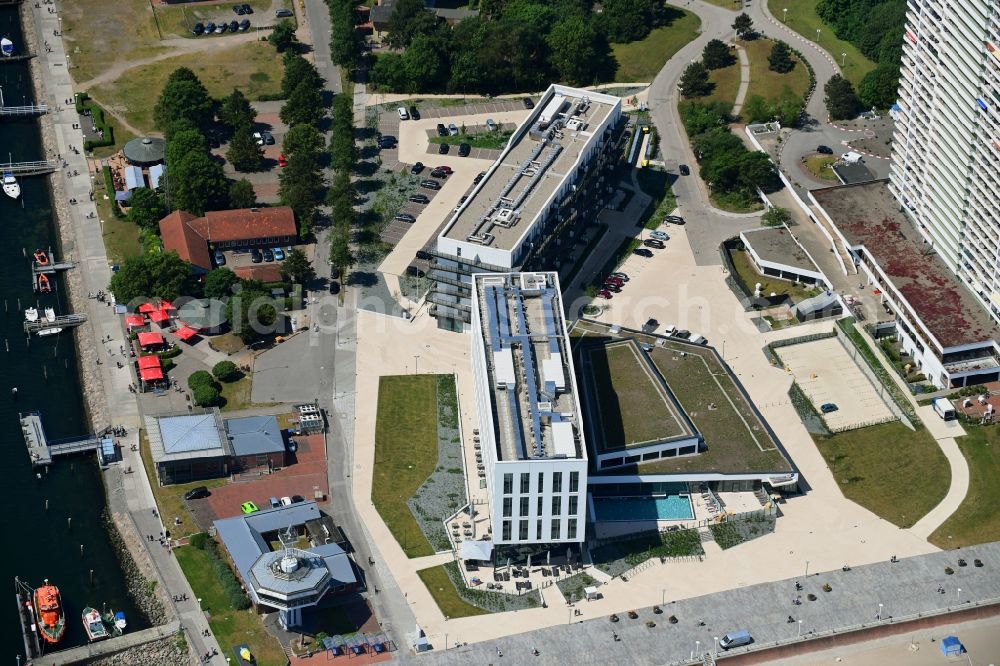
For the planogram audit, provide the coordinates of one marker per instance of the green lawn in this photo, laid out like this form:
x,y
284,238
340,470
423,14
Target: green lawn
x,y
252,67
819,166
180,19
406,453
445,595
641,61
231,627
802,18
98,34
890,470
491,140
771,85
727,84
977,519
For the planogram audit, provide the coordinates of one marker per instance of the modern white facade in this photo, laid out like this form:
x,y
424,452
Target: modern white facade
x,y
534,457
946,147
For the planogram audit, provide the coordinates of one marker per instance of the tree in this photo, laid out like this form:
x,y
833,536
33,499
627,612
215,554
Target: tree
x,y
695,82
183,142
758,171
776,217
756,110
841,101
242,195
200,378
196,183
171,275
225,371
298,70
236,111
251,312
299,188
244,153
780,59
146,209
426,64
879,87
304,139
296,267
717,55
340,247
409,19
205,395
304,105
699,117
219,283
629,20
389,72
184,97
743,25
132,281
283,36
575,44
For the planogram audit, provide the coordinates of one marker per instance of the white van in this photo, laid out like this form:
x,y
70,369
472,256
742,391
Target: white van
x,y
735,639
403,115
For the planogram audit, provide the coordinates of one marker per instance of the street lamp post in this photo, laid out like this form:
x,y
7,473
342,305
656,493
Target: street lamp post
x,y
879,616
697,647
716,639
958,595
785,15
807,568
663,597
800,629
416,360
843,59
446,640
817,34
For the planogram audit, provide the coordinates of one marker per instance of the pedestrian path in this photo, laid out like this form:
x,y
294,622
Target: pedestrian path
x,y
744,80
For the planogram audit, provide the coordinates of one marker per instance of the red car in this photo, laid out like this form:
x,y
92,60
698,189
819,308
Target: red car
x,y
604,293
282,161
613,288
614,280
447,169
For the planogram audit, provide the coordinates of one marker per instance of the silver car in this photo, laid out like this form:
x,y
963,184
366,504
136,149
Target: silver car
x,y
453,129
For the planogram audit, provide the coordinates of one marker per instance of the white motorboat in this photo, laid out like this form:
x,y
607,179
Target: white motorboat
x,y
50,314
31,314
10,185
50,331
6,47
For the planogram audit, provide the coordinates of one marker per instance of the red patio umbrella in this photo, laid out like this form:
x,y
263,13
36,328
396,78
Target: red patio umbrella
x,y
186,333
147,338
147,308
151,361
151,374
135,321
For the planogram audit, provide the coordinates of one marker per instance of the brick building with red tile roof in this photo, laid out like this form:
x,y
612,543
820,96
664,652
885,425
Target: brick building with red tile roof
x,y
191,236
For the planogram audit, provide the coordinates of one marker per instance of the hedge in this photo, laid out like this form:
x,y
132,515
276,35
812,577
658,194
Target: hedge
x,y
109,185
83,105
238,599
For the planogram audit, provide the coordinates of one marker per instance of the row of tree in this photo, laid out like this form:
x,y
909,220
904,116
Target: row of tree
x,y
729,168
512,45
341,195
876,28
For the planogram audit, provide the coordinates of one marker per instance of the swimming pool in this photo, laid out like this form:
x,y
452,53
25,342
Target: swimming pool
x,y
669,507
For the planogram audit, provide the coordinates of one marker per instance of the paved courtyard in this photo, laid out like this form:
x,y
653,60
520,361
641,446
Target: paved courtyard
x,y
827,374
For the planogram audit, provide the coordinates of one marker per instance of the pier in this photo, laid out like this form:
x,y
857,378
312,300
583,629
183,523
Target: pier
x,y
16,58
62,321
54,267
37,168
41,450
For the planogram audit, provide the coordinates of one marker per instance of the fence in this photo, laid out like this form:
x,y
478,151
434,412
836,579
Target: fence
x,y
882,382
798,340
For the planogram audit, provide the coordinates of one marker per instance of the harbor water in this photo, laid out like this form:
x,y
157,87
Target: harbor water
x,y
52,526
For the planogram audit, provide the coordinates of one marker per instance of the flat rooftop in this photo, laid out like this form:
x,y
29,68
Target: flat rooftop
x,y
529,367
777,246
544,150
868,215
737,440
627,400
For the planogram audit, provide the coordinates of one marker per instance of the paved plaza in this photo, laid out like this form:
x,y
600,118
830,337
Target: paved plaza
x,y
864,597
826,373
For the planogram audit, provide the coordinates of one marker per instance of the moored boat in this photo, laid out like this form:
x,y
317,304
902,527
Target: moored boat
x,y
50,331
49,616
41,257
94,625
6,47
50,315
10,185
31,314
43,283
116,622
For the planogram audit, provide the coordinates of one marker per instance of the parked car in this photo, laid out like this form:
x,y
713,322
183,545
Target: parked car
x,y
279,254
244,25
447,169
442,130
334,287
430,184
824,150
282,161
286,501
283,13
405,217
828,407
614,280
684,170
461,201
249,507
604,293
247,9
238,10
268,255
197,493
653,243
650,325
274,502
414,113
479,177
298,498
268,138
452,129
198,28
673,219
419,199
209,28
683,334
438,173
528,104
464,149
413,271
234,25
643,252
403,113
659,235
735,639
222,27
443,148
424,255
491,125
621,276
255,256
220,258
417,168
386,141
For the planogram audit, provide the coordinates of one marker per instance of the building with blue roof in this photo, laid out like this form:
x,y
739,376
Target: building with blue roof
x,y
534,457
188,447
256,442
291,577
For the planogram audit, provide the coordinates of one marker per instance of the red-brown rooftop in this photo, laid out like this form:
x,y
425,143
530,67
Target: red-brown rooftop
x,y
866,214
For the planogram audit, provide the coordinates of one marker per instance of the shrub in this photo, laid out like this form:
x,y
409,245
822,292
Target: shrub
x,y
949,570
198,540
200,378
205,395
225,371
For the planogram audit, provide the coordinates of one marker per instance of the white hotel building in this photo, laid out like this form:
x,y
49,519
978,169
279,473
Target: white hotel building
x,y
531,430
946,147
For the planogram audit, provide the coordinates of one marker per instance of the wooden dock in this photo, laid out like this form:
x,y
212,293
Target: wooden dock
x,y
32,644
87,653
51,268
62,321
37,168
41,450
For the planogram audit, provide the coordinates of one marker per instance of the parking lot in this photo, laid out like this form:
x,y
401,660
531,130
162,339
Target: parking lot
x,y
827,374
265,183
